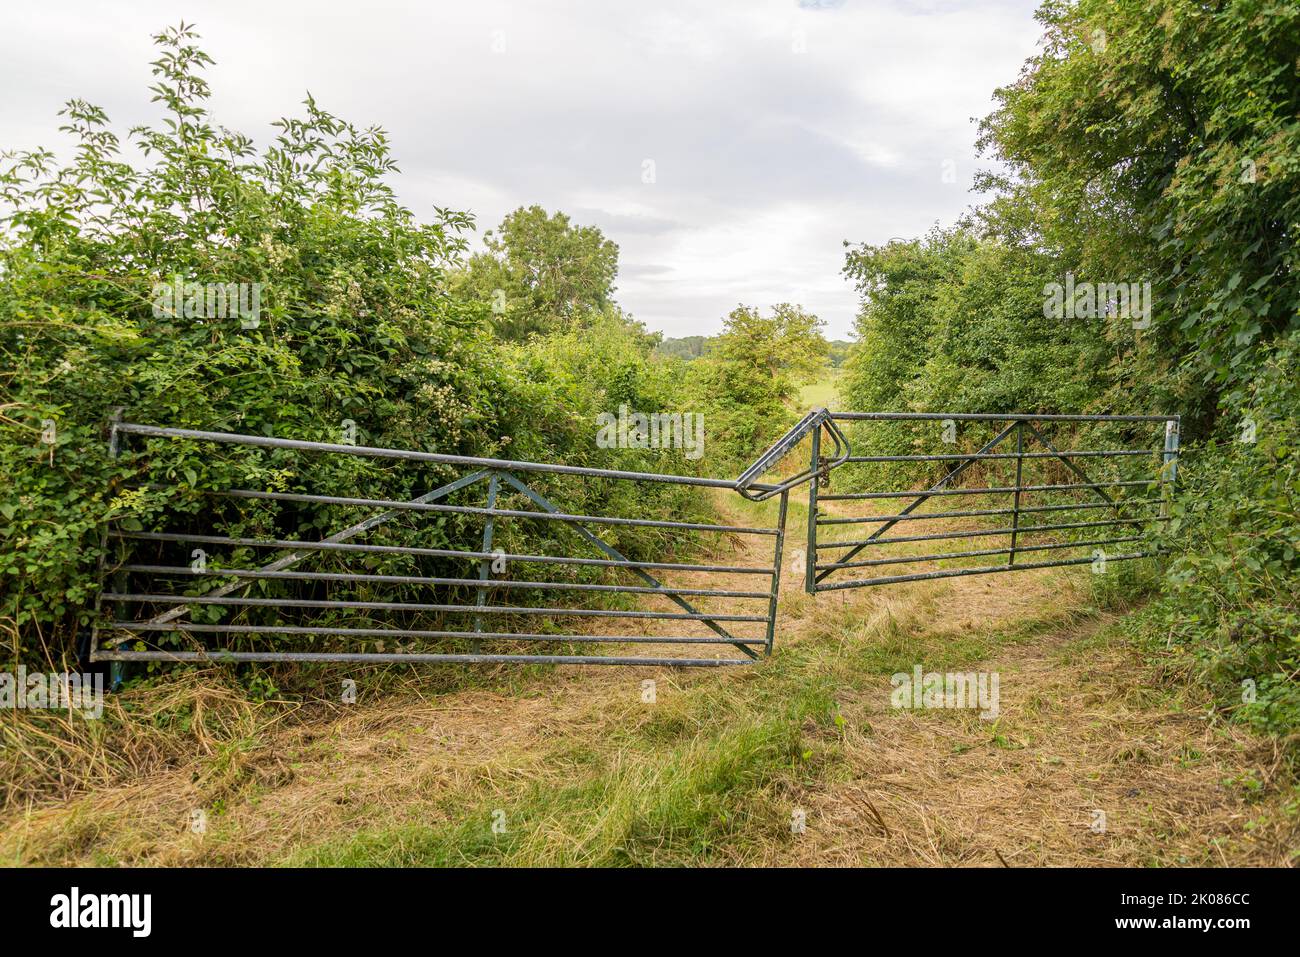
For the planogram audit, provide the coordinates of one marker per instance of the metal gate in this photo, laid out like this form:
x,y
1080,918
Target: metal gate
x,y
169,597
1039,504
171,592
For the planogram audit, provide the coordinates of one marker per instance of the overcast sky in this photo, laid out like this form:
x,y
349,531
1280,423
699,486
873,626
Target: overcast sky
x,y
729,148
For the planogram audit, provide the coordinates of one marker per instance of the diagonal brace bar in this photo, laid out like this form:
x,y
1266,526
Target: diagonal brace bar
x,y
920,500
1083,475
614,553
351,531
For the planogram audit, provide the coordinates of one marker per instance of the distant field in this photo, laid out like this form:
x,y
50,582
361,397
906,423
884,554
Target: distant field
x,y
824,393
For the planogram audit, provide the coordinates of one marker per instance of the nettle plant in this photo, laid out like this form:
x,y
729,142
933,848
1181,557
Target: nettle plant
x,y
355,323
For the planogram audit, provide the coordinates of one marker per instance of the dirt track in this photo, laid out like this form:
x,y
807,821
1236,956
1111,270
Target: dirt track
x,y
1084,727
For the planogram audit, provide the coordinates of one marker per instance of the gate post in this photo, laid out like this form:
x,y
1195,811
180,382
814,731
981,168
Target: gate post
x,y
776,569
489,527
1169,469
1168,473
810,567
116,669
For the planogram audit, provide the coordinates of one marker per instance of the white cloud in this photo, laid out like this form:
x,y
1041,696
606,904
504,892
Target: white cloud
x,y
777,131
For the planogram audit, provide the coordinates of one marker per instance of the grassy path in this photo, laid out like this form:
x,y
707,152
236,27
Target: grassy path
x,y
574,766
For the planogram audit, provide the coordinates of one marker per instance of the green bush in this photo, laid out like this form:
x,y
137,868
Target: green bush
x,y
1232,604
357,322
746,383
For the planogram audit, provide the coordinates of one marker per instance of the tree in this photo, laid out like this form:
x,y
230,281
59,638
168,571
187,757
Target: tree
x,y
1162,140
898,282
747,380
540,271
1155,140
353,321
787,347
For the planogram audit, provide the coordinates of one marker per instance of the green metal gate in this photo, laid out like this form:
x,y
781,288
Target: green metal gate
x,y
164,609
1015,501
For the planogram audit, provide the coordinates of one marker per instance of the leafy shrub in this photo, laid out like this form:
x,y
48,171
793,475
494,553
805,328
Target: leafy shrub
x,y
357,322
1232,603
746,382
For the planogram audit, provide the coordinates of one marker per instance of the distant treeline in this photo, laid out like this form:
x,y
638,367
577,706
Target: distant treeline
x,y
693,347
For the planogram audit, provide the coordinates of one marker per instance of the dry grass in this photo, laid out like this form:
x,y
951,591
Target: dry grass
x,y
588,773
1078,733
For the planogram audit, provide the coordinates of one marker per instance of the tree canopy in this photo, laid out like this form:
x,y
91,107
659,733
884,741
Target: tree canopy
x,y
540,271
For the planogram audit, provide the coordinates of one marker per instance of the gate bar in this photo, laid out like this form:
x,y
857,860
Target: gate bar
x,y
998,490
984,570
980,533
982,512
410,455
471,609
810,555
776,568
958,456
437,552
494,485
978,553
1015,507
178,570
491,512
458,609
220,657
341,631
994,417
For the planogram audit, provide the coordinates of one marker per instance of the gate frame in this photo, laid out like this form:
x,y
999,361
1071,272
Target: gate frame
x,y
497,472
815,573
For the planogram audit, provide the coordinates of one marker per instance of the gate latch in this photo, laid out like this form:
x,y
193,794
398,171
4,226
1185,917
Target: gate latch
x,y
747,485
